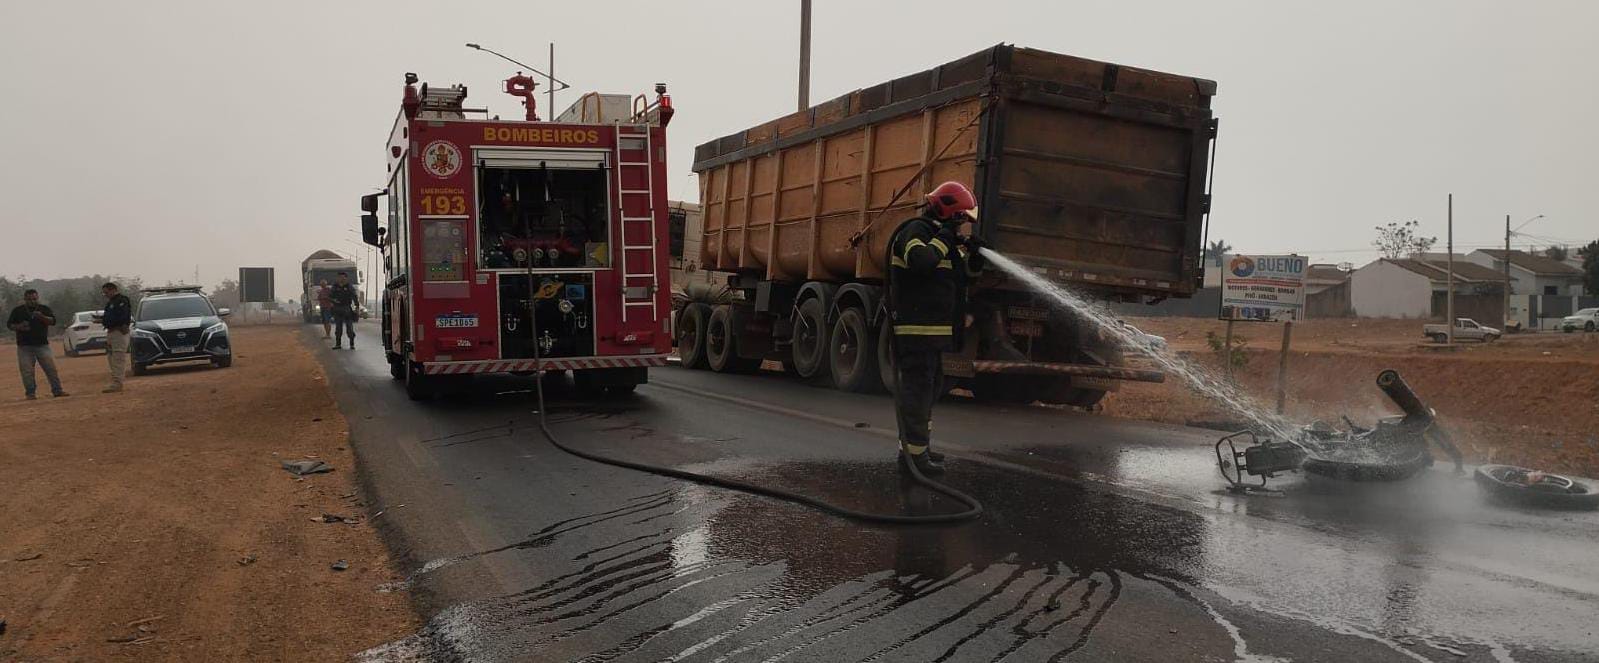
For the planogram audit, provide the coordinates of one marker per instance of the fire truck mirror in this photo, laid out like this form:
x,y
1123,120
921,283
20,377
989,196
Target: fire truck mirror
x,y
369,203
369,229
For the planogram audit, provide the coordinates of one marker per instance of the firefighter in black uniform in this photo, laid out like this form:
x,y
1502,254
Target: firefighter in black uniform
x,y
930,263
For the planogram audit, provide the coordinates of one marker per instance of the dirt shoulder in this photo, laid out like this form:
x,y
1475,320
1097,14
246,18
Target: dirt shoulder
x,y
157,524
1529,399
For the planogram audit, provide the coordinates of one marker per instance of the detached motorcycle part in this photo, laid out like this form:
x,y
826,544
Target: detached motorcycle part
x,y
1525,487
1260,459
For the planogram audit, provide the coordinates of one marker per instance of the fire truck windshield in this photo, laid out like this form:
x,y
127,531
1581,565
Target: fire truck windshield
x,y
543,217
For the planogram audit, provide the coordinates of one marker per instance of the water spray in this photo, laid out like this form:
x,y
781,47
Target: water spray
x,y
1196,376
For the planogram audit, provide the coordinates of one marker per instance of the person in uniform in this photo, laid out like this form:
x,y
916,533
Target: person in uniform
x,y
930,263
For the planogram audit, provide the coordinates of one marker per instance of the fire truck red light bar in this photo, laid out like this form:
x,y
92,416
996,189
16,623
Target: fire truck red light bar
x,y
521,365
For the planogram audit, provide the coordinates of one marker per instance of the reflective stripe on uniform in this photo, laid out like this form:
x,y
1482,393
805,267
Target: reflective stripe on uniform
x,y
945,264
911,244
943,249
924,330
896,261
914,449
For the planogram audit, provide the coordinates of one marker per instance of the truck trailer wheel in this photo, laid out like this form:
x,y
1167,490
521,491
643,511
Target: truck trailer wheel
x,y
1006,389
852,353
1059,391
721,344
811,336
691,328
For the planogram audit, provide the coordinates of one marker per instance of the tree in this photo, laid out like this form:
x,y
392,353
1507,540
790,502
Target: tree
x,y
1216,250
1400,240
1590,267
1557,252
226,294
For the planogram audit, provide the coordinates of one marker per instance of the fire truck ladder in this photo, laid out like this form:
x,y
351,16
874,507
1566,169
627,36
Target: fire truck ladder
x,y
646,281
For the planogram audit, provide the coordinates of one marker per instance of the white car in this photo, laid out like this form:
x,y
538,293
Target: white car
x,y
1587,320
83,334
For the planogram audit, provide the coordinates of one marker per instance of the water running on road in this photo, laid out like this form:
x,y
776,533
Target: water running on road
x,y
1197,377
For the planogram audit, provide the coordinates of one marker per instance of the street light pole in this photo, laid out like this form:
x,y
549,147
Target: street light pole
x,y
1508,233
805,55
1449,298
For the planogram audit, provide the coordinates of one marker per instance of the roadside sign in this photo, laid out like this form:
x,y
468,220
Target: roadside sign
x,y
1263,288
256,284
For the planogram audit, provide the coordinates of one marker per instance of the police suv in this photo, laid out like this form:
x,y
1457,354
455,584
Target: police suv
x,y
179,324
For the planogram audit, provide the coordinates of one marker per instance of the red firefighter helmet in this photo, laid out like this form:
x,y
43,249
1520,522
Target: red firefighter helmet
x,y
951,199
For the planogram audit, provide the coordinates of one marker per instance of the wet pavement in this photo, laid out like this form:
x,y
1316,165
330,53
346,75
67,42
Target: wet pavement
x,y
1102,539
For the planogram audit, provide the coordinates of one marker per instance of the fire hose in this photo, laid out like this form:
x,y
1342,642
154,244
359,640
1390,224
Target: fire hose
x,y
973,507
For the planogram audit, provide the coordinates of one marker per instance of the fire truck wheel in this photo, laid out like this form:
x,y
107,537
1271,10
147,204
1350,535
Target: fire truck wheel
x,y
721,344
852,353
396,366
691,329
810,340
417,386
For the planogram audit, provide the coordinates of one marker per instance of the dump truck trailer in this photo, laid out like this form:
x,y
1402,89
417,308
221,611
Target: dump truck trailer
x,y
1092,174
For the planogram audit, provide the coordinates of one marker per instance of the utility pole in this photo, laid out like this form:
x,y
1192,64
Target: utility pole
x,y
1507,271
805,55
1449,306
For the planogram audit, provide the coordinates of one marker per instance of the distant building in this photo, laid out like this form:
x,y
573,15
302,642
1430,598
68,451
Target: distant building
x,y
1418,288
1327,291
1532,274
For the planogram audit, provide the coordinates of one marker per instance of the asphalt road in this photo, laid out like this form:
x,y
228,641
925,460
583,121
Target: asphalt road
x,y
1102,540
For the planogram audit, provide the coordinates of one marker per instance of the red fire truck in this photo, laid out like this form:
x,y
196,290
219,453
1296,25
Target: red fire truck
x,y
494,225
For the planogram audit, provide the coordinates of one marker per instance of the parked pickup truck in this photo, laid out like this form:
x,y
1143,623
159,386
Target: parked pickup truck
x,y
1587,320
1465,328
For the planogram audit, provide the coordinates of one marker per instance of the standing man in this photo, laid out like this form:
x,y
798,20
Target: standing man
x,y
32,321
324,303
118,320
343,298
930,262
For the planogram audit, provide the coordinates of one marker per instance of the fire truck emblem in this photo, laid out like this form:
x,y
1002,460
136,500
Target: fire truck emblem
x,y
441,159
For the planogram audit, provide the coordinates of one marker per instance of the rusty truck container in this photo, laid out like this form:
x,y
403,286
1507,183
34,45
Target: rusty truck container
x,y
1093,171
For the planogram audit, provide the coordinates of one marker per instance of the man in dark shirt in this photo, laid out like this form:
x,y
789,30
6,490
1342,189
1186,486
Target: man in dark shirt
x,y
118,320
31,321
343,298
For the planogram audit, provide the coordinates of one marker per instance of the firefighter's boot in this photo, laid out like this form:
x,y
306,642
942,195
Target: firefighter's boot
x,y
923,461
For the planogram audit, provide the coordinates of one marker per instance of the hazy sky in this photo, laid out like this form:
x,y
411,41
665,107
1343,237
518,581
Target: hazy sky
x,y
154,138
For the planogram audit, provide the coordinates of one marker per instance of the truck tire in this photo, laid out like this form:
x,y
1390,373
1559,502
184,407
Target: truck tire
x,y
721,344
417,385
811,336
1060,391
396,366
1588,327
1489,338
691,330
1440,338
852,353
1006,389
885,358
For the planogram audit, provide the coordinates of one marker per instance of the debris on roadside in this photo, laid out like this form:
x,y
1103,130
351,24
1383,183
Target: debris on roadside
x,y
246,560
305,467
340,565
28,557
335,518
